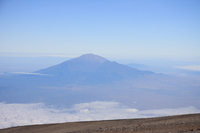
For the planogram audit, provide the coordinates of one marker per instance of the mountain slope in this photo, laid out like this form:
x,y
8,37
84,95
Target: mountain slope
x,y
91,69
179,123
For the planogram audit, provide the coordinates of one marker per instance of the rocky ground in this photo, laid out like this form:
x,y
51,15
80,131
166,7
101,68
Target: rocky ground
x,y
170,124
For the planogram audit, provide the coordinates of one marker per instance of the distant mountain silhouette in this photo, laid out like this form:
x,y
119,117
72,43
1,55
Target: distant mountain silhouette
x,y
93,78
90,69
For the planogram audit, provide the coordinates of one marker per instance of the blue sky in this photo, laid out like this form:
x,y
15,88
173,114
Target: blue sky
x,y
118,28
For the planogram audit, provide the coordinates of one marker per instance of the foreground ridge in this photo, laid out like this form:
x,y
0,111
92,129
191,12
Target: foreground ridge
x,y
169,124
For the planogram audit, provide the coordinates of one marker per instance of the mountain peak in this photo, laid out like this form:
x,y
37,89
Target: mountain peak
x,y
91,57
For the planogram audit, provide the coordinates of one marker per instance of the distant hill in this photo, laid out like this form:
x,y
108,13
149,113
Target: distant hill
x,y
90,69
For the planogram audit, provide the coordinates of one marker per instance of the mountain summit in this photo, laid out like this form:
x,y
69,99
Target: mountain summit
x,y
85,63
91,58
91,69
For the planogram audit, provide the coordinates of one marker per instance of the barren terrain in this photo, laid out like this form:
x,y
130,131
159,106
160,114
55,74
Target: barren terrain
x,y
170,124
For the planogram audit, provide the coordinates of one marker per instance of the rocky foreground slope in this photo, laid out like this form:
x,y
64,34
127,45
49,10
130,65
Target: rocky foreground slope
x,y
170,124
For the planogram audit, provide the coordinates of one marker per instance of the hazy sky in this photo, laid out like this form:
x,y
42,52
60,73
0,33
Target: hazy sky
x,y
128,28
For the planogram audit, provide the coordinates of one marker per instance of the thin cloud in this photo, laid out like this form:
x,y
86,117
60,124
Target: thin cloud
x,y
38,113
8,54
27,73
192,67
2,74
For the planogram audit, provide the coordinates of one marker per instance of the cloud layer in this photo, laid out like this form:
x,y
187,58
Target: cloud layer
x,y
38,113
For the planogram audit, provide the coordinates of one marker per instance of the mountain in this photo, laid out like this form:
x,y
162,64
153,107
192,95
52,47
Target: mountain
x,y
93,78
90,69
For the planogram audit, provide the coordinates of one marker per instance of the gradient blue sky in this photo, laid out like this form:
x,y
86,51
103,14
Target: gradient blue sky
x,y
119,28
